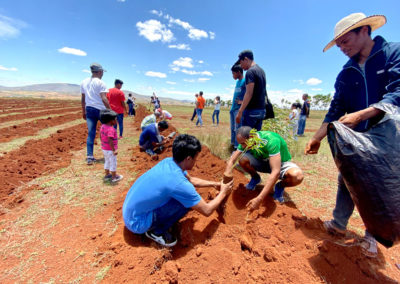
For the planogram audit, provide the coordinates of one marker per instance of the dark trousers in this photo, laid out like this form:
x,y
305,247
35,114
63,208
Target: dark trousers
x,y
194,114
120,119
167,215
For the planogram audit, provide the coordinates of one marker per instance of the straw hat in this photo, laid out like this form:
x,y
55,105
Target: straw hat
x,y
353,21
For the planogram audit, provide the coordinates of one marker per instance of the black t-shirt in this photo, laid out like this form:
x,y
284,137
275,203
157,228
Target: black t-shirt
x,y
257,76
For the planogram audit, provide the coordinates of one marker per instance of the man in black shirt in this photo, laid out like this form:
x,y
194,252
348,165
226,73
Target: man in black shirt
x,y
253,105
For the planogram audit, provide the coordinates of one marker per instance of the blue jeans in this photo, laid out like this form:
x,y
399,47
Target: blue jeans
x,y
120,119
199,120
130,109
215,113
92,117
234,127
302,124
167,215
344,205
253,118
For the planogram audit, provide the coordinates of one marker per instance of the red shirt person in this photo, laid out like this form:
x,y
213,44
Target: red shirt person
x,y
117,103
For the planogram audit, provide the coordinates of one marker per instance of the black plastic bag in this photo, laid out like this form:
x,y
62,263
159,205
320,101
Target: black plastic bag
x,y
370,165
269,109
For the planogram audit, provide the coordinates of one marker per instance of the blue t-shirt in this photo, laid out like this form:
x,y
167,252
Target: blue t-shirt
x,y
152,190
240,91
149,133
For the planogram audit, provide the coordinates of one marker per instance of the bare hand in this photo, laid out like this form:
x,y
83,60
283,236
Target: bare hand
x,y
253,204
217,186
84,115
115,152
226,187
238,117
312,146
351,120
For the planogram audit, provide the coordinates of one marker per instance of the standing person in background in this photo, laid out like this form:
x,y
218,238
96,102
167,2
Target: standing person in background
x,y
199,107
294,119
130,104
195,107
371,75
117,102
253,105
217,107
156,102
93,100
304,114
238,95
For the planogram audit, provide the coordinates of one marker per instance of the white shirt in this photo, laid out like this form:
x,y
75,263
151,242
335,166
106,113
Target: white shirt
x,y
92,87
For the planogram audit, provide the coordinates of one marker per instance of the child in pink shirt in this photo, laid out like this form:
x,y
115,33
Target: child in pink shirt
x,y
109,144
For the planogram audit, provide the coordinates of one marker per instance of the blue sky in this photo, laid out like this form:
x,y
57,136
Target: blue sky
x,y
177,48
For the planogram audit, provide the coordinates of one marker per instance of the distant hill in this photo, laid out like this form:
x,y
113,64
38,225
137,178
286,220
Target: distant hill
x,y
71,90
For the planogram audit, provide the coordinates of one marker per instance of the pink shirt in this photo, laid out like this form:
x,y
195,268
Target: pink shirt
x,y
105,132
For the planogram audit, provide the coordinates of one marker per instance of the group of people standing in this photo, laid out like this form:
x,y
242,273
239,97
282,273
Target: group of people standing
x,y
164,194
297,119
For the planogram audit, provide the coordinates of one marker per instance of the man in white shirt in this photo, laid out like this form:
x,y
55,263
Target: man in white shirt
x,y
94,99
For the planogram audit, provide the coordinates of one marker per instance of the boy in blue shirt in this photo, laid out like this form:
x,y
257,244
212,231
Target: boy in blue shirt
x,y
165,193
240,90
151,139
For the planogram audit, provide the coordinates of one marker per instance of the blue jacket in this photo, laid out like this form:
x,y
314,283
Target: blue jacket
x,y
149,135
355,90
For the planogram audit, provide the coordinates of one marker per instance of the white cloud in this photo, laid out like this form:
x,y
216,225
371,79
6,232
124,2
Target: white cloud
x,y
313,81
201,61
155,74
181,46
73,51
153,30
183,62
178,22
86,71
203,79
179,93
170,82
9,27
316,89
155,12
197,34
189,80
121,1
8,69
295,91
212,35
301,82
175,69
192,72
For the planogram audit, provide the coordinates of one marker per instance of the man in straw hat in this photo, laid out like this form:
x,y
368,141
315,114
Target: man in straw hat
x,y
371,75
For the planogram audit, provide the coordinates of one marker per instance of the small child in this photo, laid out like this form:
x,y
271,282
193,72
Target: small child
x,y
217,106
294,119
109,144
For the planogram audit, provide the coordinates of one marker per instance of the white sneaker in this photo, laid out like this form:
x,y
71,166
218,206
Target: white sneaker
x,y
117,178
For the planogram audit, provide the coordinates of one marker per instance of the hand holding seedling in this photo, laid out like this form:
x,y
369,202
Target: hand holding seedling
x,y
226,188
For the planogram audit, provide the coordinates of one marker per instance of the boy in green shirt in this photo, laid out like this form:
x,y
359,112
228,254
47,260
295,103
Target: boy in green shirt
x,y
273,157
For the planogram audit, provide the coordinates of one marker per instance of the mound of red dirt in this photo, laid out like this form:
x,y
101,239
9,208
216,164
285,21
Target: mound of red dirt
x,y
275,244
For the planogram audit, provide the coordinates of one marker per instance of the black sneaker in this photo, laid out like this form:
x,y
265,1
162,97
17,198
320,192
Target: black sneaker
x,y
166,239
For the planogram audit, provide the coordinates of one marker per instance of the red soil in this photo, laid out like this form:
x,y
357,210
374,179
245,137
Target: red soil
x,y
275,244
38,113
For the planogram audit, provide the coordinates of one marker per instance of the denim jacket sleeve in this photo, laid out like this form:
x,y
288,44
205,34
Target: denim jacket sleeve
x,y
393,68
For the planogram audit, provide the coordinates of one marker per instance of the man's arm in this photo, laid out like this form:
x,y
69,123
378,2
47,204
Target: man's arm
x,y
247,97
312,146
207,209
353,119
229,165
83,103
275,164
105,100
198,182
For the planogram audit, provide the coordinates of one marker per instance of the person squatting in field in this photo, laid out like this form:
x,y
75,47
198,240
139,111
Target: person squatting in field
x,y
371,75
109,144
93,100
151,118
272,157
165,193
151,141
